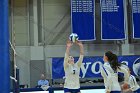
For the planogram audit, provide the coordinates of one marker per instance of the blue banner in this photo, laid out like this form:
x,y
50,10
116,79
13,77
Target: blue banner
x,y
136,18
83,21
112,20
91,66
4,47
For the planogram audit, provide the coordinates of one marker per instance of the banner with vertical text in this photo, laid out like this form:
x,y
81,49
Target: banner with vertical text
x,y
112,20
136,18
82,19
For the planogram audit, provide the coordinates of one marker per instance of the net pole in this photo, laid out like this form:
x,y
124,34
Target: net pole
x,y
4,47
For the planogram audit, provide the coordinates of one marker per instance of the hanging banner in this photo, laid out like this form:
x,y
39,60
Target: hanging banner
x,y
91,66
112,20
82,19
136,18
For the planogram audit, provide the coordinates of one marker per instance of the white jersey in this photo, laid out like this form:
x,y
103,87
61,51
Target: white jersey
x,y
125,66
133,83
72,73
111,78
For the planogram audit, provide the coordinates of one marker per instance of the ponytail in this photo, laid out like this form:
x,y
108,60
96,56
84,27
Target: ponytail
x,y
113,60
114,63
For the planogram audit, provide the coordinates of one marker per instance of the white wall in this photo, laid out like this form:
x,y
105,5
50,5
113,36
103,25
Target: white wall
x,y
23,64
56,21
20,22
137,49
90,50
26,55
37,53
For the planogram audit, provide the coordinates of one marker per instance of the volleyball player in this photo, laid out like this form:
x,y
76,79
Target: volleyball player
x,y
72,69
110,71
133,84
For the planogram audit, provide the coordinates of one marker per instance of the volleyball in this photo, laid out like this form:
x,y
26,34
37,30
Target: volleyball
x,y
73,37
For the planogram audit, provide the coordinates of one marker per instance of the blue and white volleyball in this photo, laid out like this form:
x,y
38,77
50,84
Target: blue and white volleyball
x,y
136,66
73,37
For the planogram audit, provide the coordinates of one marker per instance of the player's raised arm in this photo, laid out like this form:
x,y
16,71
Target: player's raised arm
x,y
68,46
79,43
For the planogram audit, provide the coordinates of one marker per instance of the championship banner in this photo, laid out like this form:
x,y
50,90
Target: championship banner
x,y
91,66
82,19
136,18
112,20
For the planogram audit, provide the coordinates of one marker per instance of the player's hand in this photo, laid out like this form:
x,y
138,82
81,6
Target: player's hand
x,y
107,91
69,44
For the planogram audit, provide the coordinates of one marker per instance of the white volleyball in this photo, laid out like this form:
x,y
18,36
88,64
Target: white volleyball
x,y
73,37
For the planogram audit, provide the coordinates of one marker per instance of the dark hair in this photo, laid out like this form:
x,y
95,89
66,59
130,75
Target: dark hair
x,y
113,60
130,69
